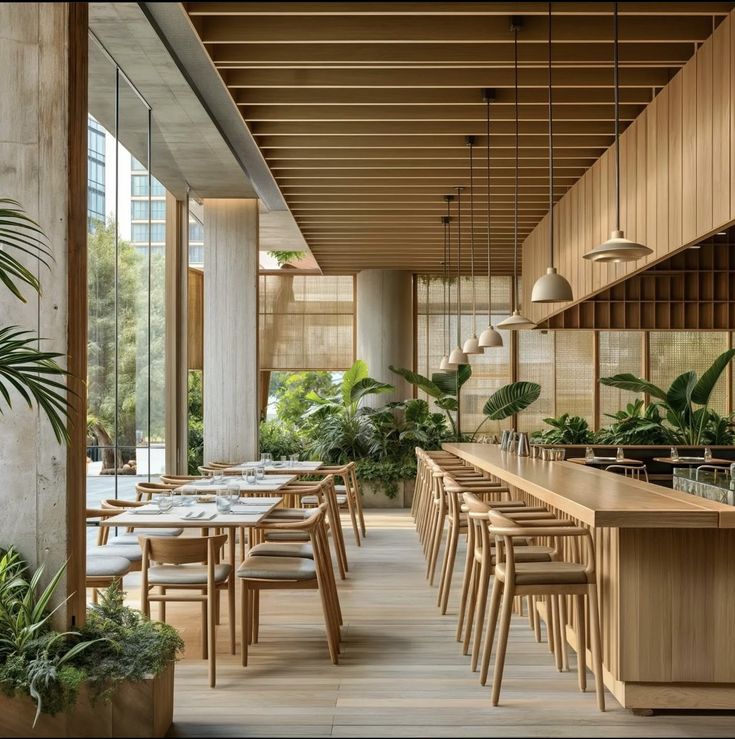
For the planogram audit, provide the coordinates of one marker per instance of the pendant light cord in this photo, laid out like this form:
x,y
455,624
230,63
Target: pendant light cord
x,y
459,266
472,235
616,83
444,285
517,139
489,276
448,232
551,156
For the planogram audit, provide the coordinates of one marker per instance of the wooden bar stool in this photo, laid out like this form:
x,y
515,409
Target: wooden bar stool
x,y
513,577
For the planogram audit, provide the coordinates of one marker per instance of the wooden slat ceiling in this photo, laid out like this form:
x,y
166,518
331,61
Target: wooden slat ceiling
x,y
361,109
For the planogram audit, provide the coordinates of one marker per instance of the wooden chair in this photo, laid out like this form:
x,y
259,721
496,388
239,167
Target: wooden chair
x,y
106,564
346,495
557,578
145,491
178,480
634,471
263,570
104,546
131,533
190,564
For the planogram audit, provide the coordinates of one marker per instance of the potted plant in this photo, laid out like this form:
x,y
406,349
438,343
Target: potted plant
x,y
112,677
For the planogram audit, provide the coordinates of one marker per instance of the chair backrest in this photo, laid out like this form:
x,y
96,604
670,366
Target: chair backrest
x,y
219,464
637,471
178,480
103,532
118,503
146,490
177,550
713,468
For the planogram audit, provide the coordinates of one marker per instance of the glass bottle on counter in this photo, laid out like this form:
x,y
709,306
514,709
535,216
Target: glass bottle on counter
x,y
589,454
674,454
707,454
619,454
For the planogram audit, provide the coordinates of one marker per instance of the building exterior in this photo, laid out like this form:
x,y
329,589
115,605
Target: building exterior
x,y
95,173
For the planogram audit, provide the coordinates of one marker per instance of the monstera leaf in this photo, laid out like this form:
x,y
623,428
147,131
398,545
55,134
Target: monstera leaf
x,y
511,399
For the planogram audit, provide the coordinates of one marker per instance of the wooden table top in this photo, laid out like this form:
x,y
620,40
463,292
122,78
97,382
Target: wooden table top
x,y
688,461
252,514
604,461
269,484
596,497
282,468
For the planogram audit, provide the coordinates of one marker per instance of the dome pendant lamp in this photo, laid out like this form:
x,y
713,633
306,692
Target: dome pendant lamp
x,y
444,365
489,337
471,346
458,357
551,287
617,248
516,322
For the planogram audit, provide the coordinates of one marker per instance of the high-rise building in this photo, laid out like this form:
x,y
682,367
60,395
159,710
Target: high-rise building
x,y
95,173
140,218
196,241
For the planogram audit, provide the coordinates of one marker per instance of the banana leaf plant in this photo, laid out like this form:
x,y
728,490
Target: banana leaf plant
x,y
32,374
687,423
507,401
444,388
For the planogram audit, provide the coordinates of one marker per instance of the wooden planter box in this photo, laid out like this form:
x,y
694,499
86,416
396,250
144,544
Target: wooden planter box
x,y
137,709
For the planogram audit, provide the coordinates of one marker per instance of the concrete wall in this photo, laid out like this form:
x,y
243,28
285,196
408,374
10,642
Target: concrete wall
x,y
385,328
34,171
230,329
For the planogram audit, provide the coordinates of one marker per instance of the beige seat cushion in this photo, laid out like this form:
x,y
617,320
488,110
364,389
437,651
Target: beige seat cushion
x,y
286,536
131,552
132,538
282,549
313,500
545,573
186,574
104,565
296,514
277,568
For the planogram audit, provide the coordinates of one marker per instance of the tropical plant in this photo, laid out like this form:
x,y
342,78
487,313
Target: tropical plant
x,y
338,424
291,390
687,424
566,429
33,374
195,431
444,387
284,257
637,423
507,401
280,439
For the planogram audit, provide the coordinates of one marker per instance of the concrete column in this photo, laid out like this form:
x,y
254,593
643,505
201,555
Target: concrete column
x,y
385,327
43,140
230,329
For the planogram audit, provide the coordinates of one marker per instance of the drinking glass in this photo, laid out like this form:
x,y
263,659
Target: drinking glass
x,y
619,454
707,454
250,476
224,501
260,472
294,459
284,459
165,502
187,500
589,454
674,452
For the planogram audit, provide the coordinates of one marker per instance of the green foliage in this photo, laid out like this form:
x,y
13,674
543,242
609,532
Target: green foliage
x,y
291,389
283,257
510,399
635,424
566,430
195,413
34,374
686,423
280,439
385,473
116,644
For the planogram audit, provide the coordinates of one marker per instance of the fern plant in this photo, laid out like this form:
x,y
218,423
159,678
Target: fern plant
x,y
33,374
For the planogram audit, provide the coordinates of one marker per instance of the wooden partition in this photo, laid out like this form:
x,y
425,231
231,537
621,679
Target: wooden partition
x,y
677,180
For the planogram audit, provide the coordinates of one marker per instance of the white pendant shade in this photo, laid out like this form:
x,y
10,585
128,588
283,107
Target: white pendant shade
x,y
515,322
490,338
472,346
458,357
618,249
551,288
444,365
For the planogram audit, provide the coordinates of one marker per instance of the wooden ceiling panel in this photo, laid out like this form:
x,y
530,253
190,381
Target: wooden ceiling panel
x,y
361,109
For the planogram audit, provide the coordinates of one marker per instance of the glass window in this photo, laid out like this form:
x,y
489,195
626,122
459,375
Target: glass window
x,y
158,232
157,188
136,166
158,210
139,184
620,351
139,233
536,363
139,210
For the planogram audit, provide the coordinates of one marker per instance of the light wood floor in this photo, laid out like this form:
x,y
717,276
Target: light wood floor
x,y
401,674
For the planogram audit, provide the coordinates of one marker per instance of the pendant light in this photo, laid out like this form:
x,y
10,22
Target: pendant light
x,y
458,357
489,337
444,364
617,248
471,346
516,322
551,287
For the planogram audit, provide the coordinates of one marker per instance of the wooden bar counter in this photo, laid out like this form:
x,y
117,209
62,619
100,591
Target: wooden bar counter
x,y
666,569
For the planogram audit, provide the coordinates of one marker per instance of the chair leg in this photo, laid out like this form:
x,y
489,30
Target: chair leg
x,y
452,555
472,605
231,611
536,619
480,617
469,557
563,633
581,644
502,642
244,620
436,545
595,643
492,622
162,607
555,629
444,566
212,600
353,519
205,645
255,611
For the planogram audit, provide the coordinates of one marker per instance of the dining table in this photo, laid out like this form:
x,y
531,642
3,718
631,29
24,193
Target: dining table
x,y
278,468
603,461
691,461
268,484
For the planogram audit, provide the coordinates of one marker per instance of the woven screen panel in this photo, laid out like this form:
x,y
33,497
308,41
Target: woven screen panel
x,y
536,364
306,322
490,370
674,352
620,352
575,374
